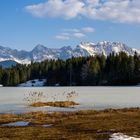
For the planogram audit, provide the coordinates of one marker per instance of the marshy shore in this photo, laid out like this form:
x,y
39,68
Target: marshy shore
x,y
79,125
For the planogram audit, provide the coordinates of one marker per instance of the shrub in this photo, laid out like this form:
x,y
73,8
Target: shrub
x,y
34,97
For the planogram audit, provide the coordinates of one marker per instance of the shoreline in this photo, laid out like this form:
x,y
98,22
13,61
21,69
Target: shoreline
x,y
84,125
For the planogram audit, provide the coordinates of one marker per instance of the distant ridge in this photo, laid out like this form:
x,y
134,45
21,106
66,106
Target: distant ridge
x,y
8,63
40,52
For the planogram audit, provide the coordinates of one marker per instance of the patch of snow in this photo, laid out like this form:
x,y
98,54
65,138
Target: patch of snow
x,y
33,83
24,61
103,43
47,125
136,50
116,49
88,47
120,136
57,84
18,123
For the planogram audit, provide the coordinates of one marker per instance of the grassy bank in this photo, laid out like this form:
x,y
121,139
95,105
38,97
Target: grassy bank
x,y
81,125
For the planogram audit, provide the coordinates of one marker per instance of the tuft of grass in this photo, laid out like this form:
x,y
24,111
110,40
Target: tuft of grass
x,y
36,99
55,104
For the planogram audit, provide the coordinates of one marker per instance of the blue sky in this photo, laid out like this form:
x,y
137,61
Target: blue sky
x,y
57,23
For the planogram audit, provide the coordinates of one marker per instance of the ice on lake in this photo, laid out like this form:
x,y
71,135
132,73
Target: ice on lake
x,y
12,99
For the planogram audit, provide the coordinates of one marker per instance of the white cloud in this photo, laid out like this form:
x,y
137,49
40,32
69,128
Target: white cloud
x,y
88,29
71,33
124,11
79,35
127,11
65,34
71,30
56,8
62,37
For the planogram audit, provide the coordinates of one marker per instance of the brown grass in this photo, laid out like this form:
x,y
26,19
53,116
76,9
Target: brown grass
x,y
35,99
54,104
80,125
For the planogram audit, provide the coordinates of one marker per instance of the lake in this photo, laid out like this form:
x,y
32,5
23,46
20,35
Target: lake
x,y
12,99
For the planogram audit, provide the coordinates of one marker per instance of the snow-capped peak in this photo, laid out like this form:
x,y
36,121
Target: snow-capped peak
x,y
40,52
87,47
87,43
39,47
103,43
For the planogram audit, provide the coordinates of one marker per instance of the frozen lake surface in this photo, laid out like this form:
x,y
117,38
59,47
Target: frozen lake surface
x,y
98,98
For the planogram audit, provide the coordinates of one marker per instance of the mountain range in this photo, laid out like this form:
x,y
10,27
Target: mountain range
x,y
40,52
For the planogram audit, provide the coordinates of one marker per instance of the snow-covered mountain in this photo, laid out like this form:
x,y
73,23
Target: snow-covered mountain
x,y
22,57
40,52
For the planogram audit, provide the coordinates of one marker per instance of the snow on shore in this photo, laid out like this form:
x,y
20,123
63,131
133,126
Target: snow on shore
x,y
33,83
120,136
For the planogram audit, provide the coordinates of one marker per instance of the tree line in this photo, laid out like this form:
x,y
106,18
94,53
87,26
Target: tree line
x,y
119,69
